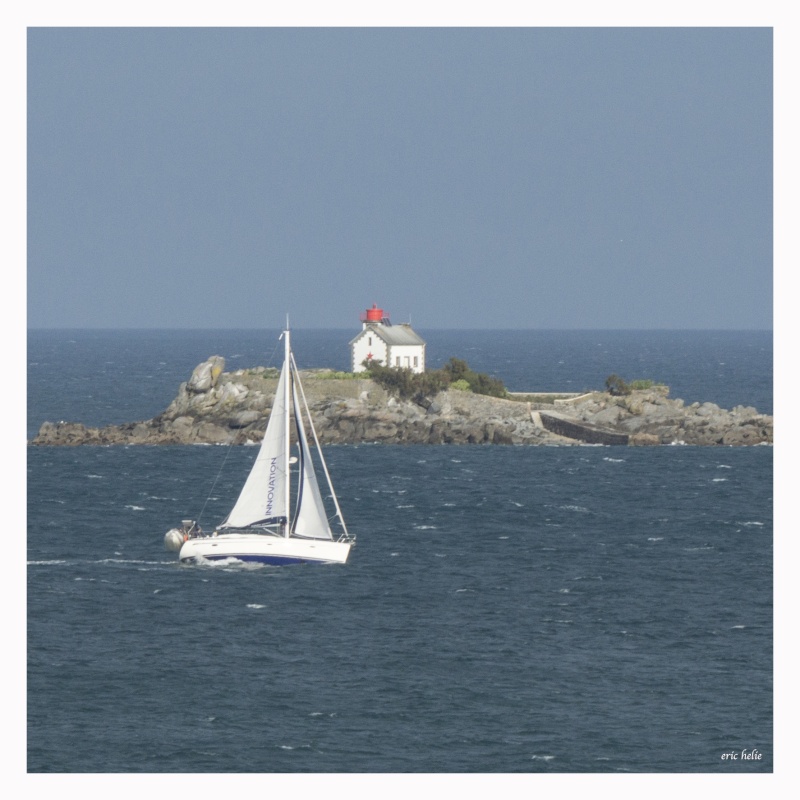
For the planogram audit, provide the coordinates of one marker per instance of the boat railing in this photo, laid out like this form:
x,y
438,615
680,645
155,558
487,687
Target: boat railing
x,y
347,538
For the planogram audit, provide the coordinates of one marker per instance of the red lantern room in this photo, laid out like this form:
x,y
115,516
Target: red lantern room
x,y
375,316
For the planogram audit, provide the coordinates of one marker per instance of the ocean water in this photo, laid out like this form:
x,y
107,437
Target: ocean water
x,y
506,609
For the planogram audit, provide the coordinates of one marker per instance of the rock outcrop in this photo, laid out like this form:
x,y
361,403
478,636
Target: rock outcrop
x,y
206,375
215,407
651,417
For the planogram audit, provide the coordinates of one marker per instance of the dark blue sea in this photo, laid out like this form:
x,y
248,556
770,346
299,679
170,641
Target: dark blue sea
x,y
506,609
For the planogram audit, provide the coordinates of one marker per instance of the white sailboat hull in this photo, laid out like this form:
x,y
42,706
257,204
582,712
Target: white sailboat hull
x,y
264,549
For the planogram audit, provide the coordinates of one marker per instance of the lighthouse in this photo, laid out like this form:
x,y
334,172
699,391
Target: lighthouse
x,y
396,346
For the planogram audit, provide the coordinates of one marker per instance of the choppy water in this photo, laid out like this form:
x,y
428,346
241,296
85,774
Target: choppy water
x,y
506,609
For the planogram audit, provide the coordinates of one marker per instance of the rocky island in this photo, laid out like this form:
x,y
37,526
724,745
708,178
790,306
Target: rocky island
x,y
216,407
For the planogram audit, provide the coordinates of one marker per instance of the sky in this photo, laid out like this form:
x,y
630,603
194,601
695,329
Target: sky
x,y
458,177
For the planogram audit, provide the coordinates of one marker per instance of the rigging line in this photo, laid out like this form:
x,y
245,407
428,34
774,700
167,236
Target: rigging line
x,y
222,466
228,449
271,359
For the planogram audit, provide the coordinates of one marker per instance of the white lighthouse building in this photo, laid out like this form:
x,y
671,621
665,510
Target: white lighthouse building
x,y
392,345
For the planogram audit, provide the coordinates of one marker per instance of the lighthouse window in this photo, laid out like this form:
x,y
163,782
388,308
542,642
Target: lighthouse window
x,y
369,339
416,361
397,361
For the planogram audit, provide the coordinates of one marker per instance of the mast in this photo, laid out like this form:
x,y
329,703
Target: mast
x,y
287,454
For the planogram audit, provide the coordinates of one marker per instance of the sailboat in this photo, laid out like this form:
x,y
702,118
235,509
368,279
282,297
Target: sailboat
x,y
262,527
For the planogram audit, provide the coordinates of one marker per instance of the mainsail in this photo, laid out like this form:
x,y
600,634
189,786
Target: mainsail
x,y
263,496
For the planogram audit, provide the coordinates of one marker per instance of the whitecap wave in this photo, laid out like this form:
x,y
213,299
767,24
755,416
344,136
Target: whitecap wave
x,y
228,563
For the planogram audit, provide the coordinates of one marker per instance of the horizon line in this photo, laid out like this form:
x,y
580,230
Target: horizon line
x,y
423,327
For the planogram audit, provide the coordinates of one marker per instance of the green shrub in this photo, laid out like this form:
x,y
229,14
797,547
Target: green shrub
x,y
616,386
330,375
399,382
458,370
263,372
418,387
